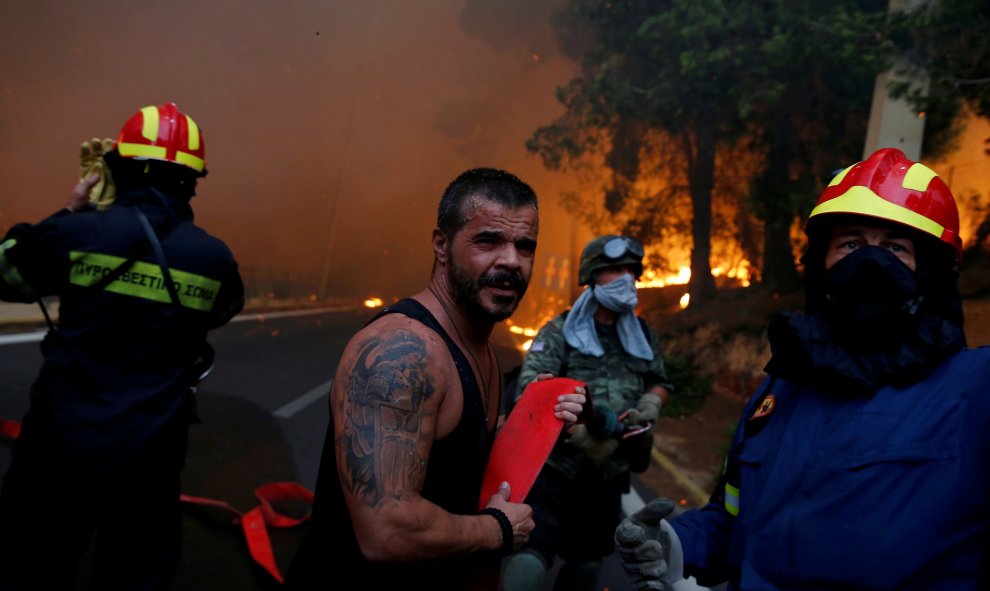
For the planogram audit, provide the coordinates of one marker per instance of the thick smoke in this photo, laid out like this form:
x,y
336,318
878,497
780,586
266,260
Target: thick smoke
x,y
331,128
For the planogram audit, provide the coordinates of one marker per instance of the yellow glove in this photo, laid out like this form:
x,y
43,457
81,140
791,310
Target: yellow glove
x,y
91,161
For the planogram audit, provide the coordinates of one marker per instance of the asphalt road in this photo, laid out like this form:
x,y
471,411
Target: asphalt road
x,y
264,414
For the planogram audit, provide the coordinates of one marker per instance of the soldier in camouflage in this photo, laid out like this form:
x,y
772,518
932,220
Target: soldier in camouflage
x,y
577,498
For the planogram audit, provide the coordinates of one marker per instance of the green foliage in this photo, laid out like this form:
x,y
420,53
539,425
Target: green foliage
x,y
691,387
671,90
661,78
946,43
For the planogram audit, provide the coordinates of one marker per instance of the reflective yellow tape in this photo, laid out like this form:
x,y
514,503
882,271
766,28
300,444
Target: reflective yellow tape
x,y
143,280
9,273
189,160
141,151
918,177
149,126
860,200
193,133
731,500
838,178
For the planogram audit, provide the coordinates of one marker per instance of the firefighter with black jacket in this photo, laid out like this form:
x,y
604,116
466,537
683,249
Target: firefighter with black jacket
x,y
104,439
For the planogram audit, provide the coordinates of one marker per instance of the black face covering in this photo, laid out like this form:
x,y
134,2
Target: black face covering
x,y
870,322
871,298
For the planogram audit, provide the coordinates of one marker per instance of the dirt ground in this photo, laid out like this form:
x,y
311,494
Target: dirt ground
x,y
695,446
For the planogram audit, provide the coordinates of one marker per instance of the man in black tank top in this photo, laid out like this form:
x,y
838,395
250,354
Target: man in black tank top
x,y
414,405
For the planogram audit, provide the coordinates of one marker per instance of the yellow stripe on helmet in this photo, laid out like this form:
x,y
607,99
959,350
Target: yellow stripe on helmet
x,y
193,134
189,160
838,178
918,176
141,151
149,125
861,200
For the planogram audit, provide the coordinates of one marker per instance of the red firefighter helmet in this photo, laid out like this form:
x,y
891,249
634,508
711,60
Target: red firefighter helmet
x,y
163,133
888,186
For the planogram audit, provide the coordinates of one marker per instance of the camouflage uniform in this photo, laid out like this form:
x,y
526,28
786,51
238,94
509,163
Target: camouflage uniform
x,y
577,498
616,379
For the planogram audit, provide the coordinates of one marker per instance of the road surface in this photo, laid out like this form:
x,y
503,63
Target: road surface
x,y
264,412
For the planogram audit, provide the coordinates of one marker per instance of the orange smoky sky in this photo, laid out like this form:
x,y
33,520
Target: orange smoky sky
x,y
331,128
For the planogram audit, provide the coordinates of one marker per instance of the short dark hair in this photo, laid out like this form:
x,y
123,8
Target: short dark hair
x,y
488,184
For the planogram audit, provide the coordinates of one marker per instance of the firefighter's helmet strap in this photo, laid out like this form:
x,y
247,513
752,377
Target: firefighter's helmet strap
x,y
156,246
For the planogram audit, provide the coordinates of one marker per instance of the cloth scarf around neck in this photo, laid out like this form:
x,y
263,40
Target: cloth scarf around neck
x,y
618,296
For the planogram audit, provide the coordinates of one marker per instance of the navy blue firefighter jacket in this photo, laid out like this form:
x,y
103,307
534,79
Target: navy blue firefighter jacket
x,y
117,368
826,490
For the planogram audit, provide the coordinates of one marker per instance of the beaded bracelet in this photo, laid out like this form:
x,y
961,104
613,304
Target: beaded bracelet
x,y
505,524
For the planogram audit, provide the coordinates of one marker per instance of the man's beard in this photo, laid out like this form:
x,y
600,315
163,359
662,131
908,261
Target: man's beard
x,y
467,292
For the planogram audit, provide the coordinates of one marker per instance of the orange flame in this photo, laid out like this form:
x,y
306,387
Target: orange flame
x,y
651,278
373,303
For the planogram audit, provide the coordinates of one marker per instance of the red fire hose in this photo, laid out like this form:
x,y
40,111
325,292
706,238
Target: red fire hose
x,y
254,523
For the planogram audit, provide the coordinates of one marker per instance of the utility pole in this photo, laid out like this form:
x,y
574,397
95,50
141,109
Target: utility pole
x,y
895,123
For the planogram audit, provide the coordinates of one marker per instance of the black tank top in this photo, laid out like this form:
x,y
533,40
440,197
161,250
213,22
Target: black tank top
x,y
330,554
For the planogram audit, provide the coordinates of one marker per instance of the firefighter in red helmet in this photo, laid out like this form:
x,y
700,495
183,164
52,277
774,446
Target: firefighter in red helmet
x,y
139,286
860,463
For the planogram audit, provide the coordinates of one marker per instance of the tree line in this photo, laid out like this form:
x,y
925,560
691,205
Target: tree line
x,y
709,118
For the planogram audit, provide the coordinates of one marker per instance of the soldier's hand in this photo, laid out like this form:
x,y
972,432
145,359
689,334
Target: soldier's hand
x,y
597,450
569,406
647,410
91,161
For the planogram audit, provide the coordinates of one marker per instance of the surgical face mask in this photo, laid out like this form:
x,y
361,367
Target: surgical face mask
x,y
871,295
618,295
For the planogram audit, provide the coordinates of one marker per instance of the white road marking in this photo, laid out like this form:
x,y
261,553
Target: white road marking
x,y
294,406
34,337
291,313
24,337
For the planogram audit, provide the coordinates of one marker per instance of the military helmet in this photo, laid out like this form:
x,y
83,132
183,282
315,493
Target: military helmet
x,y
610,251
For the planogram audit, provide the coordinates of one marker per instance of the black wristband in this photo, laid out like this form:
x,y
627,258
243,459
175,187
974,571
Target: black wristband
x,y
505,524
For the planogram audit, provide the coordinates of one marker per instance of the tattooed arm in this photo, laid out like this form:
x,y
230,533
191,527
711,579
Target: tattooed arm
x,y
392,385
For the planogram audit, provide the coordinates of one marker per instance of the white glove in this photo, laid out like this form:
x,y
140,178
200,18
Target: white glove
x,y
649,548
647,410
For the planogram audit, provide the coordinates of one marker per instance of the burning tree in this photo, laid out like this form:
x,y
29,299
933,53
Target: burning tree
x,y
697,98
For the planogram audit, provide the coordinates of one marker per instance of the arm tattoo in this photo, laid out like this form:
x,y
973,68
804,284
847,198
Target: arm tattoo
x,y
383,415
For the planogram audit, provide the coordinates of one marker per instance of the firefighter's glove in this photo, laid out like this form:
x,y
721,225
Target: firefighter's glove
x,y
91,161
597,450
647,410
649,549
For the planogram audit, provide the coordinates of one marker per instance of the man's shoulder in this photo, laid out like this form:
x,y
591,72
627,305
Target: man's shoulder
x,y
395,344
647,329
555,324
396,331
550,337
